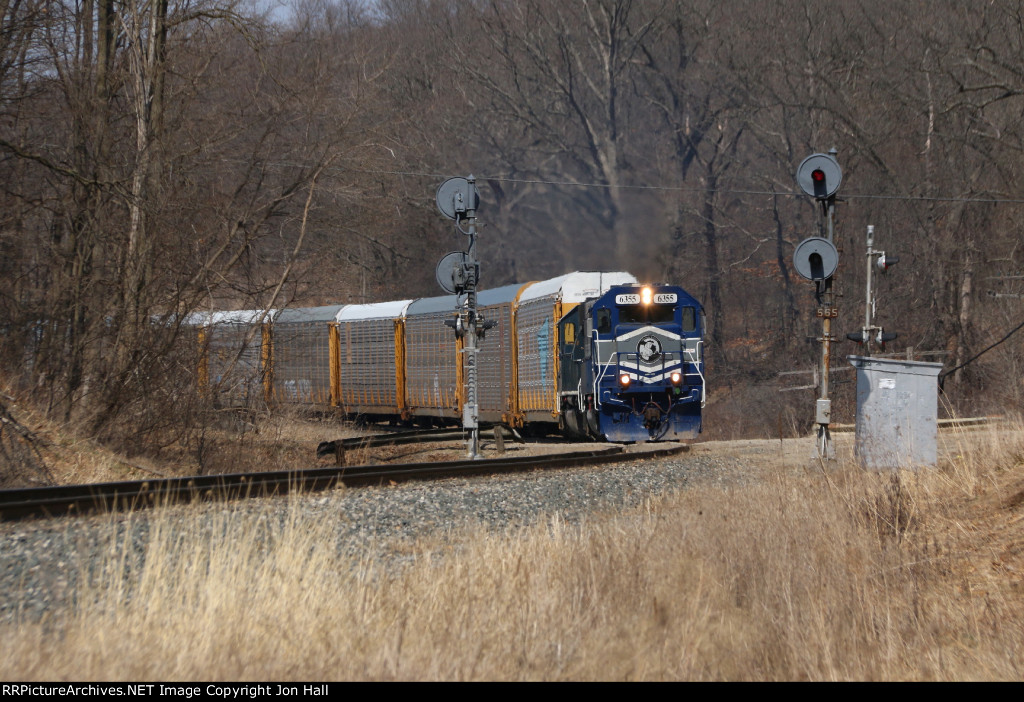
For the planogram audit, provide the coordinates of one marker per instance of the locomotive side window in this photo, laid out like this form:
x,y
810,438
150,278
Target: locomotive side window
x,y
572,348
689,319
569,333
604,321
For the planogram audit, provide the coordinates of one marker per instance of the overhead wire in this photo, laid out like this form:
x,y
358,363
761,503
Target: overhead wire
x,y
675,188
944,374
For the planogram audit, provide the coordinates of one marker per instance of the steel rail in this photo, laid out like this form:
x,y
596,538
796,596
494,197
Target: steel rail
x,y
44,502
326,448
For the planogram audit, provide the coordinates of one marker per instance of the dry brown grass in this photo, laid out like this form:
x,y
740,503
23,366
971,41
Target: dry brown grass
x,y
799,575
285,440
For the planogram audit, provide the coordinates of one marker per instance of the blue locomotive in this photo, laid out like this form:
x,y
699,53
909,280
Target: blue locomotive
x,y
631,365
595,353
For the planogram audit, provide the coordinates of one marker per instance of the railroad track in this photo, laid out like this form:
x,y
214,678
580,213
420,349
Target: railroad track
x,y
340,446
26,503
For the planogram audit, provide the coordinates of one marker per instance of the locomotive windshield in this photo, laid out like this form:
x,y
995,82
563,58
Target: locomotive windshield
x,y
647,314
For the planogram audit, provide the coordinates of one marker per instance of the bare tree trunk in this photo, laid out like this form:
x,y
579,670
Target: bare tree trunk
x,y
965,299
147,67
712,269
788,309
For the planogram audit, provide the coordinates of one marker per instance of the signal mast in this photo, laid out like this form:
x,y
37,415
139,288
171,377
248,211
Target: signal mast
x,y
870,333
816,259
458,273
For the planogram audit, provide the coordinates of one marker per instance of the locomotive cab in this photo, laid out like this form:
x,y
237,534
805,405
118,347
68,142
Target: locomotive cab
x,y
631,365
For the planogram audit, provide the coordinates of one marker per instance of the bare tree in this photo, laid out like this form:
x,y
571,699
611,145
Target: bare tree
x,y
167,151
549,83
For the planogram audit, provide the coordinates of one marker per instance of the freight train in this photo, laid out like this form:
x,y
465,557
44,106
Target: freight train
x,y
595,353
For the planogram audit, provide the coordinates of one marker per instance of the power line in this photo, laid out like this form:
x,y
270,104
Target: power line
x,y
942,376
659,188
924,198
724,191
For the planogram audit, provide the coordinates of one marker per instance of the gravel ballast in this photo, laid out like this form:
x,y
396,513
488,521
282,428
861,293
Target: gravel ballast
x,y
41,561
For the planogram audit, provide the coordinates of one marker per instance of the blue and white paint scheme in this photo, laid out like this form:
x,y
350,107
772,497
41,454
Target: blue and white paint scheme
x,y
632,365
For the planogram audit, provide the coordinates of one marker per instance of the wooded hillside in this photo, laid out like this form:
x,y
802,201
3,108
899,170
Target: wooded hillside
x,y
160,157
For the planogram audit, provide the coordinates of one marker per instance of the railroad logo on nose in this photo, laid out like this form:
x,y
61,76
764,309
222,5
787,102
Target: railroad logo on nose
x,y
649,349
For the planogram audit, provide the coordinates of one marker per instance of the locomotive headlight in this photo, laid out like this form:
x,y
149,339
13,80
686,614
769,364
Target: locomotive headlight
x,y
677,377
624,380
646,295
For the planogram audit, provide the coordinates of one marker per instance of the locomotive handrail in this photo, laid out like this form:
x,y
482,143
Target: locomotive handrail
x,y
695,360
602,367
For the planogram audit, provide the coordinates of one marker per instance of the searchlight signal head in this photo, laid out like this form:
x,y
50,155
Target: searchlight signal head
x,y
816,258
819,175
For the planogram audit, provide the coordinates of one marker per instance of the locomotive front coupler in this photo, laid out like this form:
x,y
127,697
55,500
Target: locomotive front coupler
x,y
652,416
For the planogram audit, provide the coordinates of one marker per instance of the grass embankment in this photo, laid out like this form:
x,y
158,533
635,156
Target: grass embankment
x,y
797,575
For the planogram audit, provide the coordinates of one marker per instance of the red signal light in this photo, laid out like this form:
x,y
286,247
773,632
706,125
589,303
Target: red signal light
x,y
819,175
